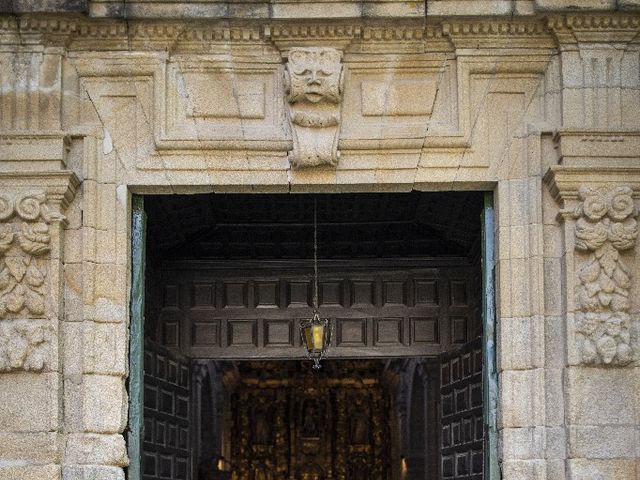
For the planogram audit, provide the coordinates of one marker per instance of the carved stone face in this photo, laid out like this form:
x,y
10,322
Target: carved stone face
x,y
314,75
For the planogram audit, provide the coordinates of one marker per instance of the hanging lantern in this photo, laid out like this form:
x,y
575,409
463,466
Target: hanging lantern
x,y
316,337
316,332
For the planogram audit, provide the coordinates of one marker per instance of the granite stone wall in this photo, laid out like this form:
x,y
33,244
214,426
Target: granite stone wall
x,y
535,100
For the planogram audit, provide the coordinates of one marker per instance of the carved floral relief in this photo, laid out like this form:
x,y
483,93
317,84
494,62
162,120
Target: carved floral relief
x,y
24,345
606,227
314,80
24,244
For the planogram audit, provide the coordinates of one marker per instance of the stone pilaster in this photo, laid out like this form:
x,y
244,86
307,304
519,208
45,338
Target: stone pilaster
x,y
32,207
598,218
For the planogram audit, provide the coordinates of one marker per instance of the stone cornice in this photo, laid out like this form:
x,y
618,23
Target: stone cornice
x,y
594,27
497,33
564,182
103,34
465,33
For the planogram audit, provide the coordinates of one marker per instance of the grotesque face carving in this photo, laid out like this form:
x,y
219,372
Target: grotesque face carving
x,y
314,75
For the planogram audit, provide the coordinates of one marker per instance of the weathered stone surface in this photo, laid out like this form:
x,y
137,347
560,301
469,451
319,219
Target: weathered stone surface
x,y
94,449
621,469
40,448
601,396
104,403
535,100
92,472
39,472
29,402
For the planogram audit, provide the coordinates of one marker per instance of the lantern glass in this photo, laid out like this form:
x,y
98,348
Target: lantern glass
x,y
316,336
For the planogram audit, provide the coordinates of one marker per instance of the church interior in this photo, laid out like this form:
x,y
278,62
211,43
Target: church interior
x,y
229,391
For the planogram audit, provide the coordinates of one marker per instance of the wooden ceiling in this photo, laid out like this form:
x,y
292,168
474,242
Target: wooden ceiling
x,y
280,226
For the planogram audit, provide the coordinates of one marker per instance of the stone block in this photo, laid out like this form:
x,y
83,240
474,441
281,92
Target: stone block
x,y
106,251
523,470
555,5
556,469
521,343
554,395
105,347
521,279
469,7
40,448
601,396
555,341
90,203
111,282
72,353
106,206
603,441
526,443
95,449
73,292
30,402
521,398
555,442
553,288
618,469
91,472
73,245
104,404
30,472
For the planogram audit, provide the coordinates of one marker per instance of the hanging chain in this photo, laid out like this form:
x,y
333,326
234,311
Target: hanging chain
x,y
315,253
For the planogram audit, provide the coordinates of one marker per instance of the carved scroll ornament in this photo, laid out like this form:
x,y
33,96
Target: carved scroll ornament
x,y
605,228
23,245
314,80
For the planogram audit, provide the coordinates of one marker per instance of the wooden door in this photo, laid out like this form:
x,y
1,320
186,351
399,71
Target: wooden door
x,y
166,435
462,425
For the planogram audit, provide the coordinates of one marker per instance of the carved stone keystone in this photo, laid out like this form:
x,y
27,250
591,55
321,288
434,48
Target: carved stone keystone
x,y
314,80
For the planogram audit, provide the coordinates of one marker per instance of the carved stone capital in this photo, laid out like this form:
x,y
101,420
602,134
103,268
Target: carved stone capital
x,y
314,79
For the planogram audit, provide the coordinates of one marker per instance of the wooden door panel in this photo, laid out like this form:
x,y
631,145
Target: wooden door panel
x,y
462,427
255,313
166,439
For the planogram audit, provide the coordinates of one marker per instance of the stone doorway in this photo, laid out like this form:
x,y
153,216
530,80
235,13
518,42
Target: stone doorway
x,y
227,283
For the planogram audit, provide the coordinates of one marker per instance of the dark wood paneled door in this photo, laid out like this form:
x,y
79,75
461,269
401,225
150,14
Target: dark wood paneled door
x,y
166,433
382,308
462,423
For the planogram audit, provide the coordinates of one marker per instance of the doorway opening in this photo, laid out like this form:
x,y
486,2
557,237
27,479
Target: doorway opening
x,y
226,390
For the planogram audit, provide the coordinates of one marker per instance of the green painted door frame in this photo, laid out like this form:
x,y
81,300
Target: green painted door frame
x,y
490,374
136,338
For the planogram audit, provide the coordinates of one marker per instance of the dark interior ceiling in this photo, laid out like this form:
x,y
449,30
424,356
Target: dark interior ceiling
x,y
280,226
